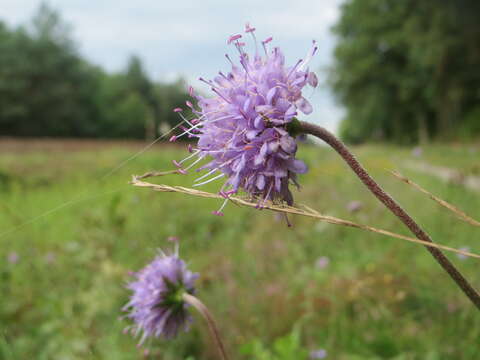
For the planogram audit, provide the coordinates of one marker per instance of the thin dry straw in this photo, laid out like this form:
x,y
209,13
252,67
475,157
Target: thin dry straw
x,y
289,210
441,202
156,173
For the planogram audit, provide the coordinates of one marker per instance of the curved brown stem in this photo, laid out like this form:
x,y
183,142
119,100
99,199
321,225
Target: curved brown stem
x,y
203,310
392,205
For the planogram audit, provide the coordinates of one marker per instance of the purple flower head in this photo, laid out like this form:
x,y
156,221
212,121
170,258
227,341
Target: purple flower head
x,y
417,151
156,305
13,258
354,206
50,258
322,262
318,354
246,126
461,256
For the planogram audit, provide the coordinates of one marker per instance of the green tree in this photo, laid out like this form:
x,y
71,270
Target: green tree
x,y
398,68
48,89
171,95
123,110
143,86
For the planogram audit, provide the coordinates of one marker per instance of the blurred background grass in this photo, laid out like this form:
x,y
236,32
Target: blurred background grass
x,y
403,72
357,295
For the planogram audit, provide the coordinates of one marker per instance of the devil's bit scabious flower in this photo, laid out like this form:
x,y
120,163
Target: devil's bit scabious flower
x,y
318,354
156,305
13,258
246,125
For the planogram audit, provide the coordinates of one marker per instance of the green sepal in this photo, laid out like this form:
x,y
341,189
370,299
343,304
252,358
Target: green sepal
x,y
294,128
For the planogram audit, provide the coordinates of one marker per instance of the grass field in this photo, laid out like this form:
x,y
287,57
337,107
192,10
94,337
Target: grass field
x,y
277,292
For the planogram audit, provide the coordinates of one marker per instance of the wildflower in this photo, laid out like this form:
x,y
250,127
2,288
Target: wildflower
x,y
247,126
13,257
354,206
156,305
417,151
322,262
318,354
461,256
50,258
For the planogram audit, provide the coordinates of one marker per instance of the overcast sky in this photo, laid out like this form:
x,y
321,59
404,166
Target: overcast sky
x,y
188,37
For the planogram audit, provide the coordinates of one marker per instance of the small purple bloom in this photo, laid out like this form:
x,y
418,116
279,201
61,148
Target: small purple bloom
x,y
322,262
354,206
246,125
461,256
417,151
156,305
13,257
318,354
50,258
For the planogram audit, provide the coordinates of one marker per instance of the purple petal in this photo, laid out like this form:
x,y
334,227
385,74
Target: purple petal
x,y
297,166
288,144
304,106
260,183
290,113
312,79
271,93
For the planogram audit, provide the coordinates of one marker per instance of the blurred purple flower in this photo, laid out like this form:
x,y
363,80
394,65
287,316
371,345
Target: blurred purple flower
x,y
156,305
463,248
318,354
173,239
13,257
354,206
322,262
246,126
50,257
417,151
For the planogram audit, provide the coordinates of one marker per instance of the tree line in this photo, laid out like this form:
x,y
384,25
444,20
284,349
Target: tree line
x,y
48,89
408,71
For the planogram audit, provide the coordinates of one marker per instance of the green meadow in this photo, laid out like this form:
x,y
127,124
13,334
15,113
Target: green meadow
x,y
71,230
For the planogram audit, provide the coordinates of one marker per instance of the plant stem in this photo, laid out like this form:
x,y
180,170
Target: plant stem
x,y
393,206
203,310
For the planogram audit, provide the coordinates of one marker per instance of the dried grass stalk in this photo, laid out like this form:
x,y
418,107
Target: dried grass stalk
x,y
460,214
304,211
